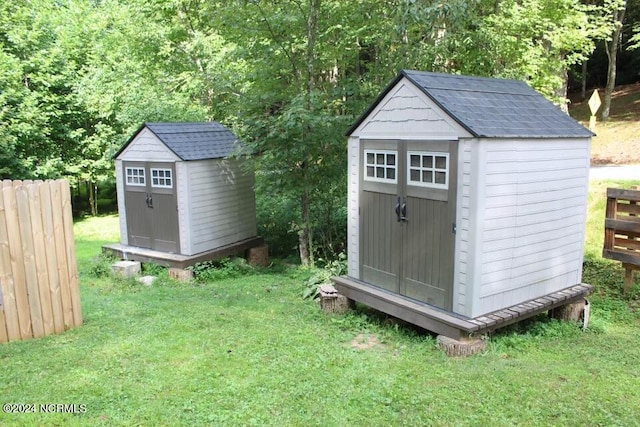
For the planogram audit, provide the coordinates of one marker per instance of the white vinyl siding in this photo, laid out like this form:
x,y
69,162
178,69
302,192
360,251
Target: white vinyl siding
x,y
407,113
146,147
124,236
353,219
533,209
462,297
222,204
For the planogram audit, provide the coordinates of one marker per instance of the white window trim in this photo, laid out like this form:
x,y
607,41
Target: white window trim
x,y
129,174
165,170
433,169
374,178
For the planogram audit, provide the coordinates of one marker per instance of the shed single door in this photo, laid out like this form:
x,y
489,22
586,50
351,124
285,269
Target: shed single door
x,y
407,216
151,206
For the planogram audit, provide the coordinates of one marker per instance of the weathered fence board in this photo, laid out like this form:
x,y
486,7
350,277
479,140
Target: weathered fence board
x,y
38,273
622,231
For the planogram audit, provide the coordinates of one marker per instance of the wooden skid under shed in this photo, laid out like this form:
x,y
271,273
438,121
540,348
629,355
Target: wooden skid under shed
x,y
177,260
447,323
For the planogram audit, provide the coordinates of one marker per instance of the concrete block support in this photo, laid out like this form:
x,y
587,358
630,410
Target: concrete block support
x,y
126,268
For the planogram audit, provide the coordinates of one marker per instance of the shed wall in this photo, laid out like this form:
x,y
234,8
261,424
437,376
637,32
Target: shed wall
x,y
462,295
183,193
407,113
523,209
353,221
146,147
124,236
220,203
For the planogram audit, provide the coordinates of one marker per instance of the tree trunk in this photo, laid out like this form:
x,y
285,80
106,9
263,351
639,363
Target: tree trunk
x,y
561,92
612,54
91,194
93,204
305,235
583,92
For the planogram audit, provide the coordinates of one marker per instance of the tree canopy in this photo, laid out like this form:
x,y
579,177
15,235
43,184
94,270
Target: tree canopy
x,y
288,76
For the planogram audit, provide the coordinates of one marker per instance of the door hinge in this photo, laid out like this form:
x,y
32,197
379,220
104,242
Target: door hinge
x,y
454,228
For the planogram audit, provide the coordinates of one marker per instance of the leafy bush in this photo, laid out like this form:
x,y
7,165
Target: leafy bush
x,y
152,269
319,276
278,219
100,265
223,269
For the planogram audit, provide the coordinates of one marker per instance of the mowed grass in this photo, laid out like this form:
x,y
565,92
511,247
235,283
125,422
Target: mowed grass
x,y
248,350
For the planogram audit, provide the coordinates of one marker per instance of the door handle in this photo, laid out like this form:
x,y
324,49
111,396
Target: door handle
x,y
149,200
403,211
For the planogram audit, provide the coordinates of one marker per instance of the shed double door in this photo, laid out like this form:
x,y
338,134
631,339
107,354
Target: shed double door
x,y
407,218
151,206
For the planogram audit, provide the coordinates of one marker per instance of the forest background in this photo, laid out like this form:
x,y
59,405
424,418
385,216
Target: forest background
x,y
78,77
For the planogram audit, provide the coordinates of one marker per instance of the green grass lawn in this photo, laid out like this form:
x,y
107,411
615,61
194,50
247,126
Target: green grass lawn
x,y
248,350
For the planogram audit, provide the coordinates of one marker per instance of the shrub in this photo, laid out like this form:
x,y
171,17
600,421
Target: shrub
x,y
319,276
223,269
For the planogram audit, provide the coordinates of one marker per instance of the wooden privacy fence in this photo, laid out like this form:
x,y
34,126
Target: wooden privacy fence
x,y
38,273
622,231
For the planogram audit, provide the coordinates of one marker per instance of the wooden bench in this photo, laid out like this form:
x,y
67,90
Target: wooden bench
x,y
622,231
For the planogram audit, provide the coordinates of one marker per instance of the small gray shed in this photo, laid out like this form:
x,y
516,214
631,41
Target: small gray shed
x,y
467,200
180,192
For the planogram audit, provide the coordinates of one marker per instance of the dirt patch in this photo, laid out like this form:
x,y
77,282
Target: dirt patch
x,y
366,341
618,140
616,143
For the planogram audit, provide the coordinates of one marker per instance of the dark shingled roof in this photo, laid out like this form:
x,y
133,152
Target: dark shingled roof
x,y
488,107
193,141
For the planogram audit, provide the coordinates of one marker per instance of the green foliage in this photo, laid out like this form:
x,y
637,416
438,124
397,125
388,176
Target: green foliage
x,y
211,271
153,269
100,266
634,40
319,276
275,218
278,218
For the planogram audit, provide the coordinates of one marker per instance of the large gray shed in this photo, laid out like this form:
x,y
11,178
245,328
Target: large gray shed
x,y
467,201
181,192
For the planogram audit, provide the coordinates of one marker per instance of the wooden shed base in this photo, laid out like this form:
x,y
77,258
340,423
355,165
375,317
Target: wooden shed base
x,y
177,260
444,322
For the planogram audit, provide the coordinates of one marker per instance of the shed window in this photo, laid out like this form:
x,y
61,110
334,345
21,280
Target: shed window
x,y
136,176
380,165
427,169
161,178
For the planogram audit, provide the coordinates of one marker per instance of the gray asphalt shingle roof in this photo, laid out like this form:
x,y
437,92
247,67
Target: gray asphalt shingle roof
x,y
194,141
489,107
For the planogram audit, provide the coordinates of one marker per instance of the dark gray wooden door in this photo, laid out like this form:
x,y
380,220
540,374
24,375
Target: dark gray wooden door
x,y
151,206
407,215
